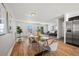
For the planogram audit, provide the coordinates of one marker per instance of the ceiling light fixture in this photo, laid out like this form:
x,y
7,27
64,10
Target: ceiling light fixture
x,y
34,12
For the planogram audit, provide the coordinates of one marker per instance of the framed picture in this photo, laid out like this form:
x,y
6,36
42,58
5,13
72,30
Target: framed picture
x,y
9,22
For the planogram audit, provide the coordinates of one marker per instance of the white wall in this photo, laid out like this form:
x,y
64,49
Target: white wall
x,y
65,19
60,29
6,43
8,39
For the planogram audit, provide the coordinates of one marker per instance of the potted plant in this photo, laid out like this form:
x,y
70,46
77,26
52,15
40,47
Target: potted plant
x,y
19,31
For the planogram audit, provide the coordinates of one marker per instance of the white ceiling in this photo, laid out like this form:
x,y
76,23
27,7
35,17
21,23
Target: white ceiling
x,y
46,12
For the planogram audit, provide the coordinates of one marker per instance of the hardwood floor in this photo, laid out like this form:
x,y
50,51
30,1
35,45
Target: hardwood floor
x,y
23,49
65,50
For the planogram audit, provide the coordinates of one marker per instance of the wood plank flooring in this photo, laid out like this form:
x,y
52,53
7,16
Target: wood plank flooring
x,y
64,50
23,49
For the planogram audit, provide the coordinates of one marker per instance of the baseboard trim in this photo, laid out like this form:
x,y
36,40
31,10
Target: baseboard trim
x,y
73,44
9,53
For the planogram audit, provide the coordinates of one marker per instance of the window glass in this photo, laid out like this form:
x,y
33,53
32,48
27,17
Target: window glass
x,y
2,20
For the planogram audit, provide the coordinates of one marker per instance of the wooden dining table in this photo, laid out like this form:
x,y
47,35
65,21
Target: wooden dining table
x,y
35,47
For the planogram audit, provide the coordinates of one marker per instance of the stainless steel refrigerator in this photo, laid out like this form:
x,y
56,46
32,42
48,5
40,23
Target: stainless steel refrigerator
x,y
72,32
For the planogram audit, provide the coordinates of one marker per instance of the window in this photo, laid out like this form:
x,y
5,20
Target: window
x,y
1,28
3,24
29,27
